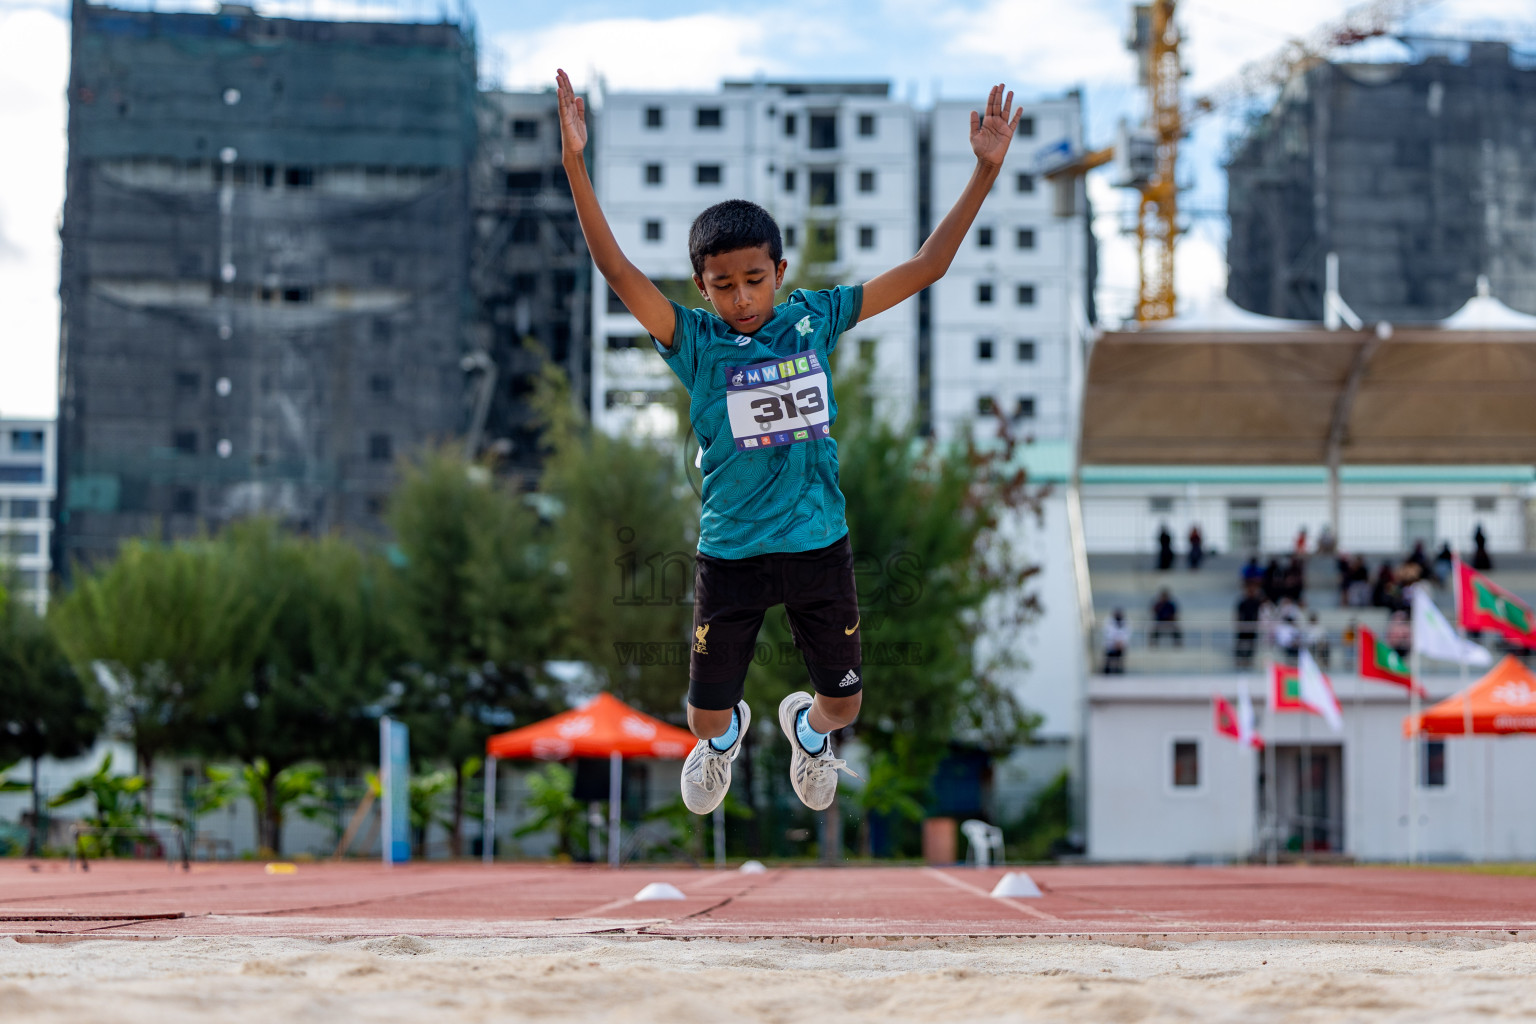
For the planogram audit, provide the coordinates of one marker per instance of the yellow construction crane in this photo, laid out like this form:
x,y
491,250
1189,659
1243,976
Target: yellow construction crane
x,y
1147,158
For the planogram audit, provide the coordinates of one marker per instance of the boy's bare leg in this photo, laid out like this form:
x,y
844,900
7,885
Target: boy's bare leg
x,y
707,724
827,714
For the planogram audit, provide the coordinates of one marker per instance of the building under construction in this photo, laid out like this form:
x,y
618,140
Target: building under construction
x,y
1420,176
265,277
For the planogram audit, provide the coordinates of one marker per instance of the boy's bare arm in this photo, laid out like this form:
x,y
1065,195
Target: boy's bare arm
x,y
634,289
990,136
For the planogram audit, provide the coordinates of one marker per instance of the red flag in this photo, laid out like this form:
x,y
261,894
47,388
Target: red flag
x,y
1483,604
1380,662
1226,718
1285,689
1236,722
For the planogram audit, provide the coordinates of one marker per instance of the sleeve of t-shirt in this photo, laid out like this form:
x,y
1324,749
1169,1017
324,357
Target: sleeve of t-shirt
x,y
840,305
683,354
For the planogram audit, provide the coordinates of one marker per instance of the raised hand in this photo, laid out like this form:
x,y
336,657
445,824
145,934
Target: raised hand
x,y
990,135
573,117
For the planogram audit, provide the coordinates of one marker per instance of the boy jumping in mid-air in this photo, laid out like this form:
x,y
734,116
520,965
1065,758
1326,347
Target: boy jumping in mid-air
x,y
772,527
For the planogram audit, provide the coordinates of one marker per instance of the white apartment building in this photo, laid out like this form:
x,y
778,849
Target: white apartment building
x,y
836,159
27,488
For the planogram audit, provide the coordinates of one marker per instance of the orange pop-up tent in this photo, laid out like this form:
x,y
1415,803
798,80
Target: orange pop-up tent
x,y
1502,702
603,727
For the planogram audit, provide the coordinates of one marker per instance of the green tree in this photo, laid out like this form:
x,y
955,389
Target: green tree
x,y
119,804
553,807
298,788
158,626
46,709
308,686
625,535
474,597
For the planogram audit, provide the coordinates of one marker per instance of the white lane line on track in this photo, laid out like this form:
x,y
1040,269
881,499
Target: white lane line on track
x,y
1022,908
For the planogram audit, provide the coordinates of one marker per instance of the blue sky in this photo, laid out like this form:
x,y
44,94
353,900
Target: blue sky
x,y
952,49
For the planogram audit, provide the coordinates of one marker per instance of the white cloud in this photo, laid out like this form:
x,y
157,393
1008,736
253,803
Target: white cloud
x,y
1044,42
34,69
696,51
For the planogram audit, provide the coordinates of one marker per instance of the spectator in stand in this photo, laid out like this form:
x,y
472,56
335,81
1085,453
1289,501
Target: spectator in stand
x,y
1117,637
1481,560
1419,558
1357,583
1196,548
1327,543
1164,549
1287,631
1386,593
1248,608
1316,639
1273,578
1165,619
1443,562
1400,633
1301,543
1293,581
1351,634
1253,572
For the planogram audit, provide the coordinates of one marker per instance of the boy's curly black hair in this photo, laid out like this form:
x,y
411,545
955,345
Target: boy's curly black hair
x,y
731,225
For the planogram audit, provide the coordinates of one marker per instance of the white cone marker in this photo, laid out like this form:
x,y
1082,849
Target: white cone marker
x,y
1016,883
752,867
659,891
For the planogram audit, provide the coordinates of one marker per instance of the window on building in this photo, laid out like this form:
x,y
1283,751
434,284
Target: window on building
x,y
866,181
1160,505
523,183
11,473
707,117
1186,763
867,348
823,131
789,124
984,349
1024,294
867,125
299,177
1024,407
25,508
790,236
1024,238
1026,127
707,174
382,330
823,188
1432,765
618,342
986,405
298,294
1024,351
375,504
653,231
383,270
380,448
984,238
984,293
653,117
1024,183
1484,504
184,502
866,237
789,180
26,440
382,385
1245,525
824,237
616,304
187,381
525,129
653,174
22,542
185,442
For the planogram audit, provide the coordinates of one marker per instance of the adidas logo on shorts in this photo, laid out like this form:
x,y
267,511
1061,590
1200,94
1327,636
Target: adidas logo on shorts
x,y
851,679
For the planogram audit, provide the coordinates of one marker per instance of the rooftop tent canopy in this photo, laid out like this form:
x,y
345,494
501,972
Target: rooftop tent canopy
x,y
1223,386
1502,702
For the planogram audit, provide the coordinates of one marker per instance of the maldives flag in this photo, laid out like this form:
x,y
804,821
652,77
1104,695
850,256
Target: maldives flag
x,y
1483,604
1285,689
1378,661
1236,722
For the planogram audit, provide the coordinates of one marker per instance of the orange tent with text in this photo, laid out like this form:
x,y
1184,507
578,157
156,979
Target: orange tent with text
x,y
602,727
1502,702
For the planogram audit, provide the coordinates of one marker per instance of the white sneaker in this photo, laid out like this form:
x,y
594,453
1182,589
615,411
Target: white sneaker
x,y
813,776
707,771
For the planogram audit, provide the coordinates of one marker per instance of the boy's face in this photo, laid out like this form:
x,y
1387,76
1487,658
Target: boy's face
x,y
740,285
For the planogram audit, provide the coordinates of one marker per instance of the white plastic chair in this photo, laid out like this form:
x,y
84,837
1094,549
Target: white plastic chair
x,y
981,840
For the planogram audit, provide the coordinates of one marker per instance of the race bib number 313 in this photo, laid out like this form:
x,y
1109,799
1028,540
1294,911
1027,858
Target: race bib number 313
x,y
781,401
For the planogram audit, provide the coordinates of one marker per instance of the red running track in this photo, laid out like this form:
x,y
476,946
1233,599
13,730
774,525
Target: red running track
x,y
49,902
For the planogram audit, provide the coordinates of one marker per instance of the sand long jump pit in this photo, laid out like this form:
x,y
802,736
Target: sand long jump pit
x,y
135,942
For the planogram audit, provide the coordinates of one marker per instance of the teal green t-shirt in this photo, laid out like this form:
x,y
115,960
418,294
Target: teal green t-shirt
x,y
762,408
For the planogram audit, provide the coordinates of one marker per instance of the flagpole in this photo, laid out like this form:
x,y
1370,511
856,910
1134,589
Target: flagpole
x,y
1466,703
1303,787
1357,758
1413,757
1271,722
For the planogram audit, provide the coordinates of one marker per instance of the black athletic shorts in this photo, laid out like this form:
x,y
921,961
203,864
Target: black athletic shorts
x,y
731,596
